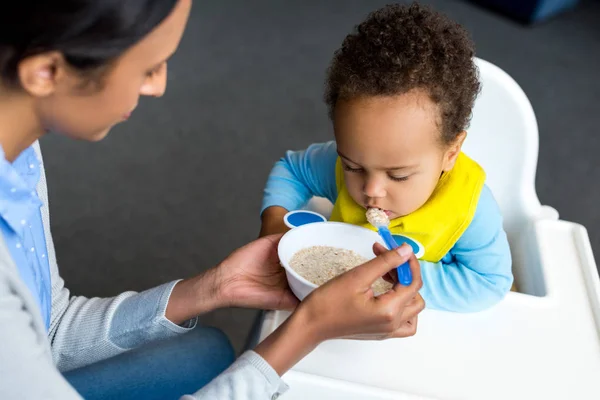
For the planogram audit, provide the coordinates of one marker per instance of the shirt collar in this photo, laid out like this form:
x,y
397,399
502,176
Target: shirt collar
x,y
18,196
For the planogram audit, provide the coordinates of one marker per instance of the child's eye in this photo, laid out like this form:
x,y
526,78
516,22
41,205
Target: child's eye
x,y
350,169
398,178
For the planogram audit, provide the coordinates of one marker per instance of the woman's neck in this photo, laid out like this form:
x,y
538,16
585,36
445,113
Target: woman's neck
x,y
19,124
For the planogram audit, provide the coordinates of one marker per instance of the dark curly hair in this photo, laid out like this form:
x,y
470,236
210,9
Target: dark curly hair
x,y
400,48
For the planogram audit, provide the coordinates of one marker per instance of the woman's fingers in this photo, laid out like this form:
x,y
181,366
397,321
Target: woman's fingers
x,y
346,307
274,239
379,249
288,301
392,276
401,295
415,269
389,277
407,329
414,308
370,271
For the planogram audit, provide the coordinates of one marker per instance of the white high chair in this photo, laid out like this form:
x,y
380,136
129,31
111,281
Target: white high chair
x,y
542,343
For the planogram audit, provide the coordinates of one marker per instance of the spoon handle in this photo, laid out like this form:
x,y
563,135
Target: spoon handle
x,y
404,274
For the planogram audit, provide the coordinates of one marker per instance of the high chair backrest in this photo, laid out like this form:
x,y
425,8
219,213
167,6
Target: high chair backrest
x,y
503,139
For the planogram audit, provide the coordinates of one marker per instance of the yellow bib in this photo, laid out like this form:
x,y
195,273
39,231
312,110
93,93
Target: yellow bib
x,y
440,222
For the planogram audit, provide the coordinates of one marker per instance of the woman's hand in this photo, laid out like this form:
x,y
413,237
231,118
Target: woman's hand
x,y
346,307
252,277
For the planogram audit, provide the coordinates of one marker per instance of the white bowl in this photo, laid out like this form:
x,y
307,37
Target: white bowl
x,y
335,234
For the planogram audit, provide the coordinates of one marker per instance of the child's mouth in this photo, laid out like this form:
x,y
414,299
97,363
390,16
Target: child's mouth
x,y
387,212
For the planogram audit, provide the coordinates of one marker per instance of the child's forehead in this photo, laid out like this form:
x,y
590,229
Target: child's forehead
x,y
411,110
390,126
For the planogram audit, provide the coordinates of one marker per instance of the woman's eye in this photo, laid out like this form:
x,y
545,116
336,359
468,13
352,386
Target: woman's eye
x,y
154,70
399,178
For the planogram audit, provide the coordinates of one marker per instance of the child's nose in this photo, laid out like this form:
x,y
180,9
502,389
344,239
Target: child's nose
x,y
374,188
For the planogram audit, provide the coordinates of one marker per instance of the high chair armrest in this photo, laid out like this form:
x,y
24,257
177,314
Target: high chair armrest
x,y
564,249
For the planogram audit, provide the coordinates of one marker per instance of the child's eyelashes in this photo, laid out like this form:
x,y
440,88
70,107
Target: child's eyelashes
x,y
361,170
350,169
398,178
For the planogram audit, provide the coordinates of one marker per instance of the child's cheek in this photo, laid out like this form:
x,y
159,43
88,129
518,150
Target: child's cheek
x,y
355,187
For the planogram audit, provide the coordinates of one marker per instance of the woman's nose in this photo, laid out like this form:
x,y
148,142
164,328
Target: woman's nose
x,y
155,84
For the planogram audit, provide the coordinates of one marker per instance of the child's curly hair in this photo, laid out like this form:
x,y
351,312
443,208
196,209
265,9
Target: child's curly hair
x,y
400,48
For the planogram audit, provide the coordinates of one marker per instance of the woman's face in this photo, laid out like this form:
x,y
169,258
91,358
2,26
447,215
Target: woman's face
x,y
88,111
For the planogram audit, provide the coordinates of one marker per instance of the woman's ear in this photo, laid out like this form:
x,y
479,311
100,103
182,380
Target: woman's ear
x,y
453,151
40,74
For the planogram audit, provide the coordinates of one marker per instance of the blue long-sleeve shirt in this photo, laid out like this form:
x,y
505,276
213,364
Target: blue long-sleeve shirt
x,y
474,275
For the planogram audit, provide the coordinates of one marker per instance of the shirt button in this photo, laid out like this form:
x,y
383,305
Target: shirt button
x,y
18,245
31,166
43,256
23,222
32,249
12,190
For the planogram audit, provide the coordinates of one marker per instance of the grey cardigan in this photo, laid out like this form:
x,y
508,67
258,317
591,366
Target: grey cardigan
x,y
83,331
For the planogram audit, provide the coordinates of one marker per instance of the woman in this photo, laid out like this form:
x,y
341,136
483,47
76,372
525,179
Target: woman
x,y
78,67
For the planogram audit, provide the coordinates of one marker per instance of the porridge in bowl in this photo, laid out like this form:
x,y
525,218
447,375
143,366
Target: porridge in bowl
x,y
319,264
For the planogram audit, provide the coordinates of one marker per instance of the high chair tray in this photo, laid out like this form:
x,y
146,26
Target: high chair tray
x,y
526,347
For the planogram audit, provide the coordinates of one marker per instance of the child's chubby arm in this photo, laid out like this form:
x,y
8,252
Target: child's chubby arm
x,y
476,274
294,180
272,221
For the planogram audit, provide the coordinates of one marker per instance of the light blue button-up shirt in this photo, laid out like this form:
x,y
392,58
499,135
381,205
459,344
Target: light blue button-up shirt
x,y
22,227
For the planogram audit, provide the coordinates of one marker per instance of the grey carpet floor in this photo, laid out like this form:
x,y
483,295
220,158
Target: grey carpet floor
x,y
178,187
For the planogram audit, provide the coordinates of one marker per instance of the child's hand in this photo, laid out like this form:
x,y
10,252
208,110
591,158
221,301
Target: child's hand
x,y
272,221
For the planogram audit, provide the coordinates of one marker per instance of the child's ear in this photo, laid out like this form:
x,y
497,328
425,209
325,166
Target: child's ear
x,y
453,151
